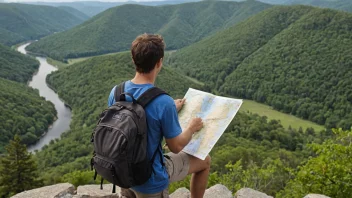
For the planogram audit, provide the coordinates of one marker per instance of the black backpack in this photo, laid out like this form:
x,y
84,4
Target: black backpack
x,y
120,140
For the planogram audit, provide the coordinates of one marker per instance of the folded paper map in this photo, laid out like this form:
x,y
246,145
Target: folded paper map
x,y
216,113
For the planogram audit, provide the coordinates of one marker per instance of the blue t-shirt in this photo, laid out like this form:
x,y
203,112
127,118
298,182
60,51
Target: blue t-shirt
x,y
162,120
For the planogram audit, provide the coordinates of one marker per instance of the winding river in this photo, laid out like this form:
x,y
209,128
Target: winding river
x,y
64,114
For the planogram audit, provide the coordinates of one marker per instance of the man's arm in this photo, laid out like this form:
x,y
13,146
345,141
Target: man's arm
x,y
177,143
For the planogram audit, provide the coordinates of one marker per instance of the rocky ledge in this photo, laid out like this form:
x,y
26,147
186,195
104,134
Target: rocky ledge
x,y
67,190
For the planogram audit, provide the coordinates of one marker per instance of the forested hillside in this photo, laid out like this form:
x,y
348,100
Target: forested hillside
x,y
23,112
345,5
15,66
296,59
114,29
21,22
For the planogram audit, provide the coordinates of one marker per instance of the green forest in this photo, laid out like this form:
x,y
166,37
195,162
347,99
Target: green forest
x,y
15,66
22,22
23,112
114,29
296,59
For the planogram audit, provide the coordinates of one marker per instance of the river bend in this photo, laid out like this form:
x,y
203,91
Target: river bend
x,y
64,114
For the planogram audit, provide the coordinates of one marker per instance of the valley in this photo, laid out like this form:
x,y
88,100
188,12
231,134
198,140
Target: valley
x,y
290,63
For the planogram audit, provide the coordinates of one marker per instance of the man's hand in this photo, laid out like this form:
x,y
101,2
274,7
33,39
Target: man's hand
x,y
179,104
195,125
179,142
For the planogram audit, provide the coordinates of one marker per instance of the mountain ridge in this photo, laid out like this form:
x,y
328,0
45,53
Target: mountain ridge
x,y
178,24
23,22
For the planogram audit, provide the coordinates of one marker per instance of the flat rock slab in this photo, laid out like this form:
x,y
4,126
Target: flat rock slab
x,y
181,193
54,191
250,193
94,191
316,196
218,191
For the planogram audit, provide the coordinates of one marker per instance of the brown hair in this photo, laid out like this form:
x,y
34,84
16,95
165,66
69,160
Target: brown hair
x,y
147,50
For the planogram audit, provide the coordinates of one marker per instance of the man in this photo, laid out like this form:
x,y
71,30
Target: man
x,y
162,120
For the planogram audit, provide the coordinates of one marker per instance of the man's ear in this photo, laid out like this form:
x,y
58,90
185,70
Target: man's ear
x,y
159,64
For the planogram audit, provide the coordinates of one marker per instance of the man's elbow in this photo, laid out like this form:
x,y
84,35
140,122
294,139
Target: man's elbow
x,y
176,149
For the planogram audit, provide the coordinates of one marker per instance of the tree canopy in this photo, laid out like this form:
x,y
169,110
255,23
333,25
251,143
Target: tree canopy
x,y
23,112
16,66
296,59
328,172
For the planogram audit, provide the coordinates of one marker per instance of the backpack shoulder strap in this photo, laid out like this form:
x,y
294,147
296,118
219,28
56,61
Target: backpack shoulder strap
x,y
119,89
150,95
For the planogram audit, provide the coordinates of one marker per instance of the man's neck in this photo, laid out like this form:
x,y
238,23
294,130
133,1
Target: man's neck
x,y
140,78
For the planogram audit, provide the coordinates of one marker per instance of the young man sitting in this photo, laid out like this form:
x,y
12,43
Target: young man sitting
x,y
162,120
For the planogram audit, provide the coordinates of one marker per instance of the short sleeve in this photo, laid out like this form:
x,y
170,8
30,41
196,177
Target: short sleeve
x,y
111,99
169,120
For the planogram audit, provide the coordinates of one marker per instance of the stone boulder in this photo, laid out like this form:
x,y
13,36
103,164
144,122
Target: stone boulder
x,y
316,196
94,191
181,193
250,193
64,190
218,191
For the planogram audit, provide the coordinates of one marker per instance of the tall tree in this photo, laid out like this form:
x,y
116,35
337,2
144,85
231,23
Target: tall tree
x,y
18,170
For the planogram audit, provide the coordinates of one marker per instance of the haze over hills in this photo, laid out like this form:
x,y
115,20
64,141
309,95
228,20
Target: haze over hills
x,y
92,8
80,15
114,29
22,22
296,59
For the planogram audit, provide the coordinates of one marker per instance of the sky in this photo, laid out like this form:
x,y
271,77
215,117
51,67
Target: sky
x,y
72,0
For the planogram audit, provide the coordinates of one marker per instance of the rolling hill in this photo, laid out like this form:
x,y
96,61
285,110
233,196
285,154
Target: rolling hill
x,y
294,58
114,29
345,5
22,22
15,66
